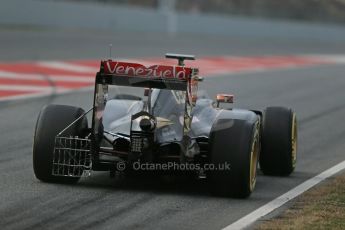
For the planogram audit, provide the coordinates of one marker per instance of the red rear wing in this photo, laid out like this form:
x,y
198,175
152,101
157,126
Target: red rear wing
x,y
137,70
138,75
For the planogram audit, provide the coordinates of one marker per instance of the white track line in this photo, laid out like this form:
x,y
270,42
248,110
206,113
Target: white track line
x,y
30,88
336,59
56,78
278,202
44,94
67,66
26,96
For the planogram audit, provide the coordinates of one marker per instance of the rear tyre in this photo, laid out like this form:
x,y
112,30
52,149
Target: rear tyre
x,y
51,120
234,142
279,142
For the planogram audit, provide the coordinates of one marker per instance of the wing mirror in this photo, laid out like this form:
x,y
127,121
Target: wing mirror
x,y
224,98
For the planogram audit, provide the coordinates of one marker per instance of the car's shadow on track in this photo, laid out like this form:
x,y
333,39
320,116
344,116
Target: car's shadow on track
x,y
167,184
188,185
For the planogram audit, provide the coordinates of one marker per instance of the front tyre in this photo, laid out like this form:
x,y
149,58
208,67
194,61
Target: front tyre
x,y
51,120
279,142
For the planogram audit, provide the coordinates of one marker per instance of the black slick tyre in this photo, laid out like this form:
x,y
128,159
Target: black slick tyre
x,y
51,120
279,142
234,142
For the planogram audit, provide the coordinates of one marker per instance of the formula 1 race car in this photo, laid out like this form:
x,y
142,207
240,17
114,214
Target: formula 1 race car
x,y
168,127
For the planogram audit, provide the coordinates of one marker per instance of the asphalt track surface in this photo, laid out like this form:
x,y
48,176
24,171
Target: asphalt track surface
x,y
316,93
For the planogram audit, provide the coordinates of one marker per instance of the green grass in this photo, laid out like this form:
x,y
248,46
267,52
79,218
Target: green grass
x,y
322,207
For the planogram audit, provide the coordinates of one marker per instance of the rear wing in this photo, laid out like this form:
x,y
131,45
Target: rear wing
x,y
138,75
